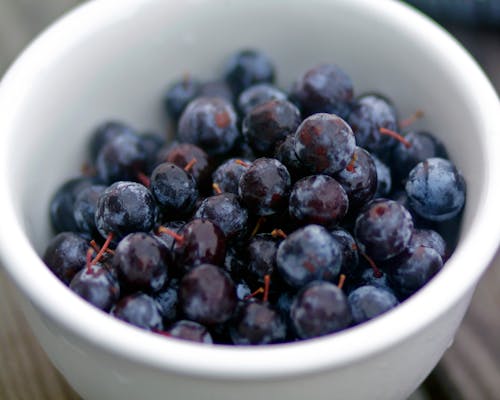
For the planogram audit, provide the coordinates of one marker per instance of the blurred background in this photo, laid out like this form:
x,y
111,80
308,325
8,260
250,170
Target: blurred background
x,y
470,369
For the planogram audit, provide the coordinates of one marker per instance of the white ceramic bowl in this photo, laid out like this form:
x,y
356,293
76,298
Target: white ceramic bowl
x,y
113,59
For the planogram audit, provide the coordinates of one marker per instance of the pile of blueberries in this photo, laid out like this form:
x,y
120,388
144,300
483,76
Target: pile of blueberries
x,y
271,217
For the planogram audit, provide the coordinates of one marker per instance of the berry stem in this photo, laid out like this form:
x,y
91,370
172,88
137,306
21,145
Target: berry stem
x,y
276,233
411,119
255,293
342,278
260,221
395,135
216,188
377,273
190,164
103,248
90,251
267,284
351,167
170,232
242,163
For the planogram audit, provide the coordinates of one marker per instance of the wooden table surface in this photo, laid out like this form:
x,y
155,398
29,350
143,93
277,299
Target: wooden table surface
x,y
470,369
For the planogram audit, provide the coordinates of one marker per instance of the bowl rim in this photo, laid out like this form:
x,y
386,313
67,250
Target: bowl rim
x,y
283,360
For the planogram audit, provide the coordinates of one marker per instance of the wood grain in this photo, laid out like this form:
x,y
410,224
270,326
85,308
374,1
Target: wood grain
x,y
470,369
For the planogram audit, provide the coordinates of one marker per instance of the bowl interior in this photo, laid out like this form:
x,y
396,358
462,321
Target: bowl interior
x,y
114,62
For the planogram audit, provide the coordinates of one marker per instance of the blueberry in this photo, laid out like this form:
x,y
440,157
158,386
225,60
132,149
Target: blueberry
x,y
225,211
247,68
264,188
142,262
324,144
318,199
269,123
256,324
65,255
179,94
84,208
209,122
208,295
106,132
359,178
308,254
96,285
189,330
227,175
320,308
384,229
174,189
256,95
368,302
370,113
436,189
123,208
325,88
140,310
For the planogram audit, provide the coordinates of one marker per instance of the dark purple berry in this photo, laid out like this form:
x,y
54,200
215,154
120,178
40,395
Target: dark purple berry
x,y
174,189
384,179
349,249
209,122
166,238
105,133
84,208
202,242
179,94
142,262
265,186
189,330
262,251
247,68
65,255
285,153
384,229
123,208
227,176
270,123
368,302
359,178
168,302
256,95
256,324
208,295
226,212
318,199
324,144
323,89
96,285
309,254
429,238
436,189
320,308
140,310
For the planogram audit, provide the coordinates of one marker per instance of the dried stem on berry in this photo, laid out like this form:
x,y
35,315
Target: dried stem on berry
x,y
90,251
103,248
216,188
242,163
190,164
267,284
255,293
260,221
351,167
341,281
411,119
395,135
276,233
377,273
170,232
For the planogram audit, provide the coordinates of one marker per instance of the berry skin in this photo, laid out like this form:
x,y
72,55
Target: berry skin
x,y
309,254
121,159
256,324
262,251
123,208
269,123
320,308
168,301
179,94
84,208
208,295
142,262
104,134
324,144
370,113
256,95
209,122
189,330
265,186
415,271
429,238
65,255
323,89
226,212
436,189
349,249
359,178
383,229
62,204
247,68
174,189
227,175
96,285
368,302
423,145
318,199
285,153
384,179
140,310
202,242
